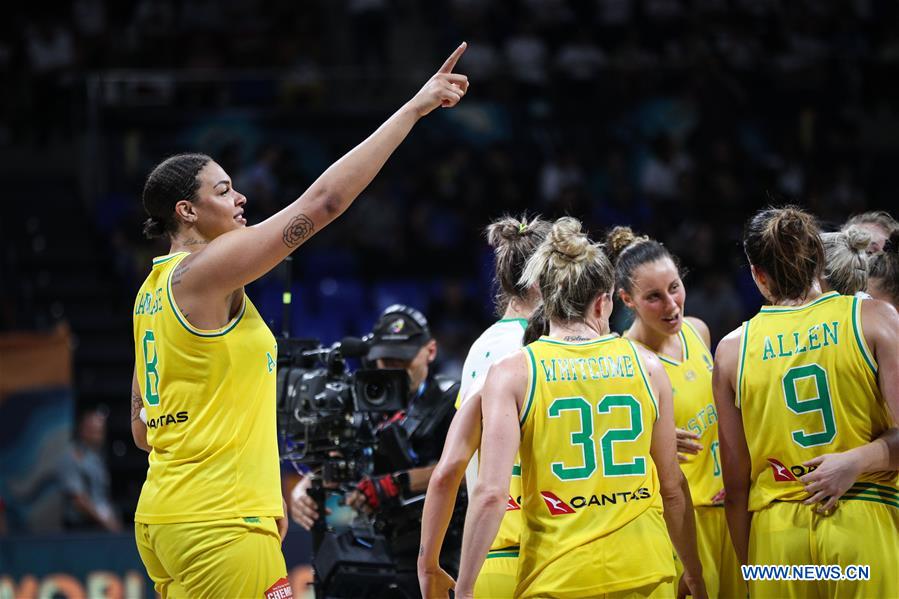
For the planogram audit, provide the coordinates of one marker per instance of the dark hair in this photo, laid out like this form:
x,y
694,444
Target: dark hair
x,y
172,180
513,241
786,244
536,327
885,267
629,252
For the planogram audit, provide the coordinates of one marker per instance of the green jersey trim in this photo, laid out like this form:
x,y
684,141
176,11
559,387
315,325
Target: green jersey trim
x,y
532,387
522,321
192,329
860,337
778,309
163,259
652,396
738,399
505,552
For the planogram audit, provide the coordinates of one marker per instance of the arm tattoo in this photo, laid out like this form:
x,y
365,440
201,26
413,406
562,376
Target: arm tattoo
x,y
298,230
136,404
179,273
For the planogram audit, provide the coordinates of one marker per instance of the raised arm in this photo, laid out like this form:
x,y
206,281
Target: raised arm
x,y
461,442
241,256
501,399
675,491
138,427
735,459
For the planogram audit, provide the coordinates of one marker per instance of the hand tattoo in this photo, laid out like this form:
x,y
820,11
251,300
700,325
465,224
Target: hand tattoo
x,y
298,230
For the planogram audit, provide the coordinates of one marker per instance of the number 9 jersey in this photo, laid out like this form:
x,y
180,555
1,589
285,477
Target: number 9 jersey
x,y
210,401
590,490
806,386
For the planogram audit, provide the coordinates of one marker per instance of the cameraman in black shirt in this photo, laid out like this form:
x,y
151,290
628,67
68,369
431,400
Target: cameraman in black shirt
x,y
409,445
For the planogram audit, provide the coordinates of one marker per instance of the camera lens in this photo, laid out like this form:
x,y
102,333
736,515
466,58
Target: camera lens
x,y
375,393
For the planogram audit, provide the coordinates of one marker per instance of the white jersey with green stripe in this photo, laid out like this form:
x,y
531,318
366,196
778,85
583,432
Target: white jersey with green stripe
x,y
498,341
807,385
210,402
586,433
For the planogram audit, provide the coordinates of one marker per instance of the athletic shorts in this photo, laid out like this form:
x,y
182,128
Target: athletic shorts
x,y
859,532
498,575
237,557
720,567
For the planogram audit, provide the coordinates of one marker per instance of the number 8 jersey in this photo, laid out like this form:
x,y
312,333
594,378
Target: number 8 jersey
x,y
586,471
807,385
210,401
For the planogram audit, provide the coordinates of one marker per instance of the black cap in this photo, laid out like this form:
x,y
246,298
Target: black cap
x,y
399,333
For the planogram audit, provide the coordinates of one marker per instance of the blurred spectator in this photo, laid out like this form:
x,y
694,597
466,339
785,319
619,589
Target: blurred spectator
x,y
85,478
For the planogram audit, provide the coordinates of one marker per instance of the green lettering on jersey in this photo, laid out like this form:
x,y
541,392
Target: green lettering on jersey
x,y
768,353
780,346
830,336
549,370
814,338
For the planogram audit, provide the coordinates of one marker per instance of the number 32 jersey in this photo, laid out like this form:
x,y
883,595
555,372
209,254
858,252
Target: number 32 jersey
x,y
586,470
807,385
210,401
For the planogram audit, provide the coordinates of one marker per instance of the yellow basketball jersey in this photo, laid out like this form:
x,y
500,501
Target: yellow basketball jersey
x,y
586,470
210,401
807,385
694,410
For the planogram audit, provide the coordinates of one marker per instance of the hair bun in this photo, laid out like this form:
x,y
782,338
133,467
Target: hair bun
x,y
621,238
569,241
857,238
507,229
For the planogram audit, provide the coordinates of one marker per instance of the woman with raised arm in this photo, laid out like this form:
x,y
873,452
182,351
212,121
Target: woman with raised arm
x,y
649,282
513,241
210,512
590,415
811,375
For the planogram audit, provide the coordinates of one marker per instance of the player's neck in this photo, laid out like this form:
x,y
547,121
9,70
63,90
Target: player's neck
x,y
577,332
659,343
187,242
809,296
519,308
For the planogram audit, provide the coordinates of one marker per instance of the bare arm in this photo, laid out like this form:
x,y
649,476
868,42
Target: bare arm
x,y
461,442
734,451
138,428
675,491
241,256
501,398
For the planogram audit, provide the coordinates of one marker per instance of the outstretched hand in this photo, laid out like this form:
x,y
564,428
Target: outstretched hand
x,y
444,88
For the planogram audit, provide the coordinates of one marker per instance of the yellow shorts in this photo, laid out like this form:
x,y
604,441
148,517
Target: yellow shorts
x,y
720,568
235,558
654,590
498,575
859,532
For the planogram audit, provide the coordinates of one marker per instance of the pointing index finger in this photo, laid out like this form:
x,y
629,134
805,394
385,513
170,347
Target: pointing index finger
x,y
450,63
